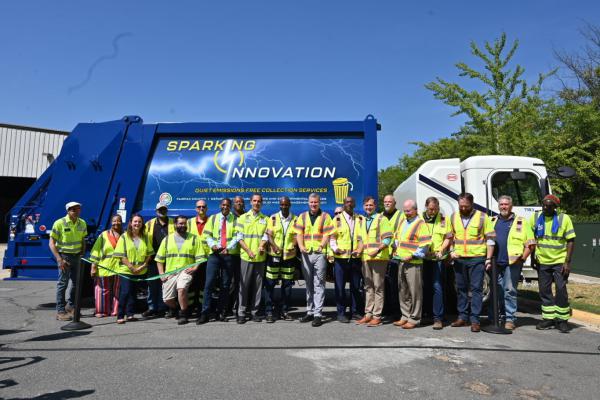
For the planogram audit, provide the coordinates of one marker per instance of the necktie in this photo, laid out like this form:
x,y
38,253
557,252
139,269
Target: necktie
x,y
224,233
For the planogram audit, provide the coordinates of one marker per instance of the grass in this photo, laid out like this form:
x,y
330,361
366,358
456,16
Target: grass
x,y
582,296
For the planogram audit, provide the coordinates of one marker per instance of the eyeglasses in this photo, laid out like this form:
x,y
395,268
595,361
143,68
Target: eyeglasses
x,y
200,206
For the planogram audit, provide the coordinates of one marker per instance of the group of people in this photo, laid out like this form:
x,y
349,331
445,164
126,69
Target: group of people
x,y
393,261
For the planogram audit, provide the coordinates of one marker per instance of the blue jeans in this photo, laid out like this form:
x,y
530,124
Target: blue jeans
x,y
155,301
217,264
469,274
348,270
433,289
70,273
127,297
508,280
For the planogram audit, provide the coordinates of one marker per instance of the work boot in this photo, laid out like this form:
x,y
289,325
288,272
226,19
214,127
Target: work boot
x,y
563,326
63,316
545,324
306,318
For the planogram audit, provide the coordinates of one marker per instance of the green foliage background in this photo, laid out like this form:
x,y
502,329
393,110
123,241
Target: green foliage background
x,y
510,116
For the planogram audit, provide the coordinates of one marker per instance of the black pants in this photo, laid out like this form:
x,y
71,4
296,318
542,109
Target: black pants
x,y
553,306
391,303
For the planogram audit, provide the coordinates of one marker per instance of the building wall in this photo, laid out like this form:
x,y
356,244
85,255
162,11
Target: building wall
x,y
25,151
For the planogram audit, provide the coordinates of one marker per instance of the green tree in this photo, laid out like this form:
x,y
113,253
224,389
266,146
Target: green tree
x,y
503,92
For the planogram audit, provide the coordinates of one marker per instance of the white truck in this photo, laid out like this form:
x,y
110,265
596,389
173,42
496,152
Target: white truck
x,y
525,179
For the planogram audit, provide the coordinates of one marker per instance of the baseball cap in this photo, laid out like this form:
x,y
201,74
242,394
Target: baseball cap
x,y
160,205
72,204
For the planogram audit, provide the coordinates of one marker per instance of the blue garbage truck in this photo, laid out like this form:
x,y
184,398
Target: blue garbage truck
x,y
127,166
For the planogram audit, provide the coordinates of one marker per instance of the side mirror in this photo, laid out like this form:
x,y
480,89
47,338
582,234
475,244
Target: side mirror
x,y
565,172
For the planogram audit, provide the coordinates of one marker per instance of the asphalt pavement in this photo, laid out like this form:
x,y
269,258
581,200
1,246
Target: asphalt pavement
x,y
284,360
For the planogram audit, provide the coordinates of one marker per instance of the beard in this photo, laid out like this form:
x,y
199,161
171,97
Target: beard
x,y
505,214
181,231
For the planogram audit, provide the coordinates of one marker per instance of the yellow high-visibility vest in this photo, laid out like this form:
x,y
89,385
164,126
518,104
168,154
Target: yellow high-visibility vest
x,y
410,239
150,228
346,240
68,236
284,240
439,229
253,228
126,248
213,229
373,237
520,236
313,233
192,228
173,257
397,217
471,242
552,248
102,254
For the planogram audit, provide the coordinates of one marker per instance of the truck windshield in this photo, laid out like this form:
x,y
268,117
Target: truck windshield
x,y
524,192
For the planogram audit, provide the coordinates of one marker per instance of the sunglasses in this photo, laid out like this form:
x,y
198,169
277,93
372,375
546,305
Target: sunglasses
x,y
200,206
336,213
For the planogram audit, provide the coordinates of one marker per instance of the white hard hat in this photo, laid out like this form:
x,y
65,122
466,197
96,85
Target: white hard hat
x,y
160,205
72,204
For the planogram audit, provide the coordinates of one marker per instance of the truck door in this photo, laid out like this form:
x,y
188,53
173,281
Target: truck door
x,y
523,185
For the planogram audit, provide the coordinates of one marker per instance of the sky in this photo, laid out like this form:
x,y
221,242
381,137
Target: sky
x,y
64,62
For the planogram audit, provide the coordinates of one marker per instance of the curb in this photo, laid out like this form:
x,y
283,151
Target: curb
x,y
582,317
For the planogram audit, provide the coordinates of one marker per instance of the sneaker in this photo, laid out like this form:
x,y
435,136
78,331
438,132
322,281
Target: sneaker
x,y
306,318
63,316
148,314
286,317
343,319
545,324
202,319
437,325
563,326
317,322
270,318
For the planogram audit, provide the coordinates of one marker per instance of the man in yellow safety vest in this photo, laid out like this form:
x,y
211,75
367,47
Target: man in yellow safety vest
x,y
346,242
555,242
282,256
250,230
313,229
178,250
391,305
513,244
412,241
377,237
471,229
67,244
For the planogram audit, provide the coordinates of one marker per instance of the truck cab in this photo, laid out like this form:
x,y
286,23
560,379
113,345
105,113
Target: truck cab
x,y
525,179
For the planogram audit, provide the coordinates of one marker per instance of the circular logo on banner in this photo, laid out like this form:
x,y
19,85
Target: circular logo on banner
x,y
165,198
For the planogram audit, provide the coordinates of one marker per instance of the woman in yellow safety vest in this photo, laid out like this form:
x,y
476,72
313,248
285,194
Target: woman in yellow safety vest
x,y
135,251
106,288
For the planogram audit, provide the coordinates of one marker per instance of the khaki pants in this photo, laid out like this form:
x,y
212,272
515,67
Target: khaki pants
x,y
374,277
410,283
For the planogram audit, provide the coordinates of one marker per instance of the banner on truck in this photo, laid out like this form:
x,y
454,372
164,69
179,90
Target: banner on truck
x,y
184,170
